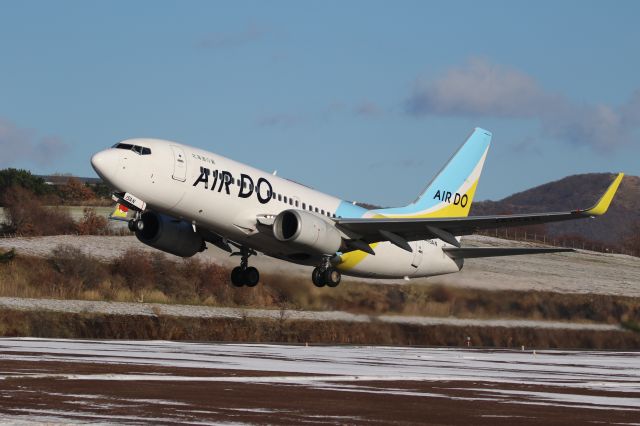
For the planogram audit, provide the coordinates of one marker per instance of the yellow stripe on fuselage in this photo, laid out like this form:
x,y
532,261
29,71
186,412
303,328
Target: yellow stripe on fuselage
x,y
351,259
448,210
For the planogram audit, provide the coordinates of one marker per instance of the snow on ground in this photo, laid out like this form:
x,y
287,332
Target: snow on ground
x,y
591,379
581,272
149,309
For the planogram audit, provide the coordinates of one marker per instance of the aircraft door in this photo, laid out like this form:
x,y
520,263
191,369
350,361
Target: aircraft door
x,y
418,251
179,164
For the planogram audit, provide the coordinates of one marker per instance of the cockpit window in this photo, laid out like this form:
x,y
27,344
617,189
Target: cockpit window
x,y
140,150
123,146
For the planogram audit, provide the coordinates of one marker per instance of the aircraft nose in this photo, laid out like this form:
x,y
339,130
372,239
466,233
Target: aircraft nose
x,y
105,163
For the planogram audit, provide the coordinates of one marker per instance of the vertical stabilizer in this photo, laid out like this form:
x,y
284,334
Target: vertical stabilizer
x,y
451,192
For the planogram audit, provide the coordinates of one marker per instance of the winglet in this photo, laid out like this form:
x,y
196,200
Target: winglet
x,y
603,204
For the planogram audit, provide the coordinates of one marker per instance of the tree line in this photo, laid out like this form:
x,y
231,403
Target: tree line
x,y
32,206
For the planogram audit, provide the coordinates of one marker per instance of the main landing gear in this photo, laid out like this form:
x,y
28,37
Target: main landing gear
x,y
245,275
326,274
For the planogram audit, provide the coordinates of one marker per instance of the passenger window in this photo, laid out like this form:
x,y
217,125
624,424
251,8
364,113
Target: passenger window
x,y
297,203
290,201
285,199
279,197
310,208
304,207
316,209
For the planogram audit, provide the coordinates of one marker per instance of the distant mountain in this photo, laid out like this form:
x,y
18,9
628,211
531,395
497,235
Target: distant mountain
x,y
576,192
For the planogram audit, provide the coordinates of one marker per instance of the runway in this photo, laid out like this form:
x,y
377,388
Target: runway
x,y
160,382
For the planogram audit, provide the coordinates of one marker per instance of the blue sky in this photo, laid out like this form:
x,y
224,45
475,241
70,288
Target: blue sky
x,y
365,100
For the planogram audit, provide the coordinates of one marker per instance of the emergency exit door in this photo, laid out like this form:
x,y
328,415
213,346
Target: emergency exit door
x,y
179,164
418,250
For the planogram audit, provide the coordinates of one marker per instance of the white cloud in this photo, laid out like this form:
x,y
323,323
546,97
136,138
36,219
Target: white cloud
x,y
368,109
482,89
18,144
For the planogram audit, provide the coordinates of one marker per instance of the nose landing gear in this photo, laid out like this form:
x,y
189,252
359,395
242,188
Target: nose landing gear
x,y
136,225
326,274
245,275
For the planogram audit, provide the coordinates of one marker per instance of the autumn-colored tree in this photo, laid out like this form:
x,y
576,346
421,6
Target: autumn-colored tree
x,y
92,223
26,215
75,191
23,178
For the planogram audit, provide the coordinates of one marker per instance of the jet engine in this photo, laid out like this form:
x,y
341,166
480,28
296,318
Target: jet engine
x,y
310,232
168,234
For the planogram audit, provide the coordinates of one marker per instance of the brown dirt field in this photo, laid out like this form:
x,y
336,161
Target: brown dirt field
x,y
433,402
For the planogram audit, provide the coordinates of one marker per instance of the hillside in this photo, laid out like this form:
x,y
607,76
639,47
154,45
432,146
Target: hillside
x,y
573,192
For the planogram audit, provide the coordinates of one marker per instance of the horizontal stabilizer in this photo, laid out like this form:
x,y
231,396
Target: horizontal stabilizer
x,y
471,252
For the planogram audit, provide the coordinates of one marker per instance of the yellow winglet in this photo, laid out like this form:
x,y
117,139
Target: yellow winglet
x,y
603,204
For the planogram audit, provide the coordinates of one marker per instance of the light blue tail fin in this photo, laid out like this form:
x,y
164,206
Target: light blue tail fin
x,y
451,192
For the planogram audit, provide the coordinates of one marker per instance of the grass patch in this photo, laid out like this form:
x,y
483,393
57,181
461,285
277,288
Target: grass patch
x,y
283,330
152,277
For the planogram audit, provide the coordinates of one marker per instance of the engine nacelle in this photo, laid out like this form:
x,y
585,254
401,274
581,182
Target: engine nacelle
x,y
308,231
168,234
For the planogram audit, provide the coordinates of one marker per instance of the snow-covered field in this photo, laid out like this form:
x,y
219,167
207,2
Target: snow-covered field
x,y
88,376
581,272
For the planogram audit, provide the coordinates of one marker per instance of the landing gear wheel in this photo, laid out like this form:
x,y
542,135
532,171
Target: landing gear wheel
x,y
332,277
132,225
251,276
317,277
237,277
244,274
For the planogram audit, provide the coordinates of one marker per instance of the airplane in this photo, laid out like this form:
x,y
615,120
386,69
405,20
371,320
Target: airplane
x,y
176,198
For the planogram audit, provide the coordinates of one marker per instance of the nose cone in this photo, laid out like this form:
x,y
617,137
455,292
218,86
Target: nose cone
x,y
105,163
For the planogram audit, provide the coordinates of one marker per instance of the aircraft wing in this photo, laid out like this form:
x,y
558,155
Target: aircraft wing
x,y
401,230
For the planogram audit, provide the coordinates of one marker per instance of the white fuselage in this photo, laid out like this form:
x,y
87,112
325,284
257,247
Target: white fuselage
x,y
205,189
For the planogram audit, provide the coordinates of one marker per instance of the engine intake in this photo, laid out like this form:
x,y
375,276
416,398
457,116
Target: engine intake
x,y
168,234
308,231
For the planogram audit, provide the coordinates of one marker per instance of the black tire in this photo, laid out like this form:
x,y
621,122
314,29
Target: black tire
x,y
237,277
332,277
251,277
132,225
317,277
